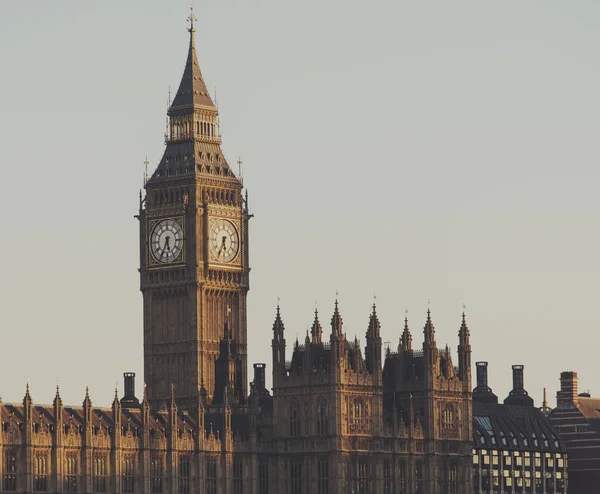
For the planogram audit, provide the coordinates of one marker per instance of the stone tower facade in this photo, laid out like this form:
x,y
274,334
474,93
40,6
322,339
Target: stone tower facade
x,y
344,423
193,255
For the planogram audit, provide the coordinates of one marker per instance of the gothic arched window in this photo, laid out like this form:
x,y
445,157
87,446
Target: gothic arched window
x,y
322,419
448,417
71,472
10,471
453,479
294,419
41,473
100,473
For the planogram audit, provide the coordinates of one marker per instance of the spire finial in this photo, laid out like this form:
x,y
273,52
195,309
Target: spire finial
x,y
192,19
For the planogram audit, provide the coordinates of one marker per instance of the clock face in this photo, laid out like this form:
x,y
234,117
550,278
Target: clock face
x,y
166,241
224,240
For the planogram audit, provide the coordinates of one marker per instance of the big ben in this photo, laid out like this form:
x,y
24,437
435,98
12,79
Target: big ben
x,y
193,254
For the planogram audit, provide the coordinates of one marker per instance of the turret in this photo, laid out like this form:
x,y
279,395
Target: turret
x,y
116,413
464,354
316,330
87,407
278,346
227,371
200,410
428,333
337,344
406,338
336,324
373,350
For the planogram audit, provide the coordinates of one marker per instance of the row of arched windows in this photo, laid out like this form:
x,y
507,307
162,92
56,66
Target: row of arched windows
x,y
187,128
170,196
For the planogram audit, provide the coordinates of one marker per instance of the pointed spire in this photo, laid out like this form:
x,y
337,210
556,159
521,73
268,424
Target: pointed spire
x,y
406,338
374,326
316,330
463,332
336,323
192,89
307,339
278,327
57,399
87,402
429,331
27,401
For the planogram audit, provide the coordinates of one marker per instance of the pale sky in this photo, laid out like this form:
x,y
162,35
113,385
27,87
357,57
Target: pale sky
x,y
419,150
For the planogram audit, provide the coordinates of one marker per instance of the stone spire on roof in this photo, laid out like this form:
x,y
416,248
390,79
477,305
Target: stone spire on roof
x,y
374,328
192,90
336,323
27,401
278,327
429,331
406,338
316,330
463,332
57,399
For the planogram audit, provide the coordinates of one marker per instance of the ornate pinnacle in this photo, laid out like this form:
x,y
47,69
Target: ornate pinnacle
x,y
191,19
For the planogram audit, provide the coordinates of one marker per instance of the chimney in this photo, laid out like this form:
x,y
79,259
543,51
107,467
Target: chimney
x,y
518,396
567,396
483,393
518,381
129,400
259,377
482,374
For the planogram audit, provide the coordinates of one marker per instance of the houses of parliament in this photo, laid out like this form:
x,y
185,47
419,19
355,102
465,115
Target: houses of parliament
x,y
339,418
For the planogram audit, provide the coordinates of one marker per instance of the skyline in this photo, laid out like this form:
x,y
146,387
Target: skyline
x,y
358,216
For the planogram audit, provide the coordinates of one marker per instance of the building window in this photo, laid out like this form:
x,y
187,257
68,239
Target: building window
x,y
211,476
263,476
100,474
156,475
419,478
387,478
70,483
453,479
294,419
185,470
448,417
322,419
10,471
41,473
360,476
323,476
357,413
402,489
238,477
296,476
129,474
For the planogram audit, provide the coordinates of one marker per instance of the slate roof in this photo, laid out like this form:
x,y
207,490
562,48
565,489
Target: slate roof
x,y
192,89
513,427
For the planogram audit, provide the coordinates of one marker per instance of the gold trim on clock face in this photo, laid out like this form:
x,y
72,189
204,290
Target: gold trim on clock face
x,y
166,241
224,240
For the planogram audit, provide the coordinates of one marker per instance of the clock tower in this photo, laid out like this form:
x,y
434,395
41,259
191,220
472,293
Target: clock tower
x,y
193,256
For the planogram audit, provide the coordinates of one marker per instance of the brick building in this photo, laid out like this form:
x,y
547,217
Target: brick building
x,y
576,419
